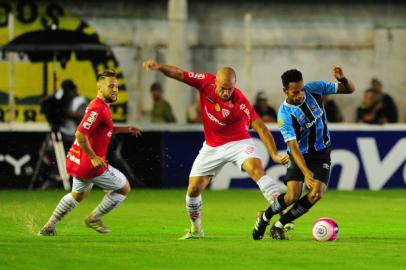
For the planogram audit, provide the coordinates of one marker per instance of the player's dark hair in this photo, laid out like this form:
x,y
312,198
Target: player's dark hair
x,y
292,75
105,74
156,86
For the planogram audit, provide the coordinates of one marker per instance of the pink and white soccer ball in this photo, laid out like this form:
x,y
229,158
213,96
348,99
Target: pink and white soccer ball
x,y
325,229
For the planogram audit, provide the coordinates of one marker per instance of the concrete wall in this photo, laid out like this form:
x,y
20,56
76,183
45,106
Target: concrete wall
x,y
367,40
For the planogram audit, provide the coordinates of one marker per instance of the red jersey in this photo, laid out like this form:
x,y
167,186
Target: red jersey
x,y
97,126
223,121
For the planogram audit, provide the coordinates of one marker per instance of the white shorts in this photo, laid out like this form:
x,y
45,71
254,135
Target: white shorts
x,y
211,159
111,179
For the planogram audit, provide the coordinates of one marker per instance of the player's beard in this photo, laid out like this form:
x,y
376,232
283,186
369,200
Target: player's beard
x,y
110,99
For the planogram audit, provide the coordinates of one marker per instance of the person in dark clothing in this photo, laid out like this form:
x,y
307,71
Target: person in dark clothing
x,y
333,112
389,108
370,111
261,106
161,110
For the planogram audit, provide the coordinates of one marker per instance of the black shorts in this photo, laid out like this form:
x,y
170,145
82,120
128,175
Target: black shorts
x,y
319,163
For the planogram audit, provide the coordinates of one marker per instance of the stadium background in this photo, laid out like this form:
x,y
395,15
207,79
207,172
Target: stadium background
x,y
260,39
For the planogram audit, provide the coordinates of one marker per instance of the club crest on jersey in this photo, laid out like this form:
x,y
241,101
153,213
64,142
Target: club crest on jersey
x,y
90,120
249,150
225,112
217,107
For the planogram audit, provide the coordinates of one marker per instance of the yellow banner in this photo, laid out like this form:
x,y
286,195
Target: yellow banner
x,y
29,85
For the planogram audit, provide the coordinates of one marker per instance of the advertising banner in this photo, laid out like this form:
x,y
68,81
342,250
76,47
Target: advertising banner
x,y
359,159
367,159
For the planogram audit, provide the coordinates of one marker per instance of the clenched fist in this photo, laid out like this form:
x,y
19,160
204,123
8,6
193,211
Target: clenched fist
x,y
150,65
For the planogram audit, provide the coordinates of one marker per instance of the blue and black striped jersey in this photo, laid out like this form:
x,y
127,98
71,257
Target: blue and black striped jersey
x,y
307,122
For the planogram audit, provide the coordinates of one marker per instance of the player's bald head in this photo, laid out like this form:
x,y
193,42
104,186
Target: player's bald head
x,y
226,75
225,82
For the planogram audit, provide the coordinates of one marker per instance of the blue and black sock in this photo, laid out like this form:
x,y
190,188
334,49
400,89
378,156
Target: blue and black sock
x,y
298,209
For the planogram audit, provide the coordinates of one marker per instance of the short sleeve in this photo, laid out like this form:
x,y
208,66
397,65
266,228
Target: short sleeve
x,y
254,115
90,121
285,126
321,87
194,79
246,107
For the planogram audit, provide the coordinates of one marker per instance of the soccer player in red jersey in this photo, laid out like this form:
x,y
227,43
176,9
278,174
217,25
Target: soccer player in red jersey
x,y
226,115
86,162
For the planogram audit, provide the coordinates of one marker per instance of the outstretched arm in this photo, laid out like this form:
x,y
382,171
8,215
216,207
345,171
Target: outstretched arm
x,y
269,142
170,71
345,86
127,129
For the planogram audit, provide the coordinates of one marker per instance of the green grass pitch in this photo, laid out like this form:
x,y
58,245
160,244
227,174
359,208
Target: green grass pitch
x,y
146,227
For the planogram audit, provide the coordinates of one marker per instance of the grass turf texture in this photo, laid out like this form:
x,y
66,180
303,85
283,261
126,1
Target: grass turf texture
x,y
146,227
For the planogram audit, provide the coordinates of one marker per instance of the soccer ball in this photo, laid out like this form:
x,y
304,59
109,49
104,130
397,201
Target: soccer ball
x,y
325,229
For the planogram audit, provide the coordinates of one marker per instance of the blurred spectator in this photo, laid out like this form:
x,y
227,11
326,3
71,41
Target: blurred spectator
x,y
162,110
74,112
63,110
389,109
194,113
263,109
333,113
371,109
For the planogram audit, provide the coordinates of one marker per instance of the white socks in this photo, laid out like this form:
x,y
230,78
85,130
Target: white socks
x,y
65,205
110,201
269,188
193,207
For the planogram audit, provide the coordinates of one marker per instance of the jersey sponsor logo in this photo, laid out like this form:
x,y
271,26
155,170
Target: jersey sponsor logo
x,y
199,76
213,118
74,159
314,107
74,151
90,120
109,134
309,124
326,166
244,108
225,112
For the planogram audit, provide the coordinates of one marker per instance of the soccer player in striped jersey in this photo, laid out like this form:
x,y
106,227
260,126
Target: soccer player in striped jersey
x,y
303,123
86,160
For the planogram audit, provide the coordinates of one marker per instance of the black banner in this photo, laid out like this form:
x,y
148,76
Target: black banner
x,y
27,160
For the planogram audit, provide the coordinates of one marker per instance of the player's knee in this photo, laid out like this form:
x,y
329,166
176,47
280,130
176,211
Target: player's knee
x,y
315,196
256,173
126,189
78,196
193,191
291,197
